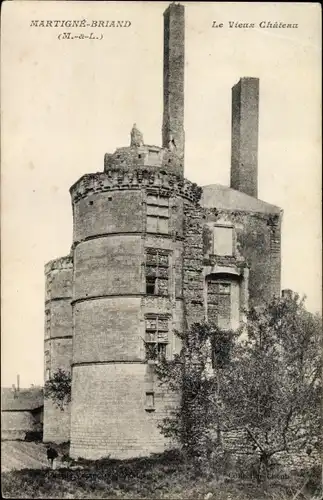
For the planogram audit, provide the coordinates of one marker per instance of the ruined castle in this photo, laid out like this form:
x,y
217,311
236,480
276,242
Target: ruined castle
x,y
152,252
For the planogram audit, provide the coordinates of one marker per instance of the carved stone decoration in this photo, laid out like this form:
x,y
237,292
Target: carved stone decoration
x,y
137,138
119,179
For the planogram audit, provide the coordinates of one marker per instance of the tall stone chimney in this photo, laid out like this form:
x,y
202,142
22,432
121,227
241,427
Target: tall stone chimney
x,y
244,140
174,60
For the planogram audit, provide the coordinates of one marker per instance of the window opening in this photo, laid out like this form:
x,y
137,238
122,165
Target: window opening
x,y
219,303
157,271
150,401
156,338
157,214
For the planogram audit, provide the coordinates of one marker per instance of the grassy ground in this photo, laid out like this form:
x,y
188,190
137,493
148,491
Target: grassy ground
x,y
164,477
21,455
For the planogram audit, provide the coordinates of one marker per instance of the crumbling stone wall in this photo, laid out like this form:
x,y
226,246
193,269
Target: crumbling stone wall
x,y
193,278
142,157
238,443
258,245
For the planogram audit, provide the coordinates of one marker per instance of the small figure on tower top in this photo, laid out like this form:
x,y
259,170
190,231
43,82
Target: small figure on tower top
x,y
137,138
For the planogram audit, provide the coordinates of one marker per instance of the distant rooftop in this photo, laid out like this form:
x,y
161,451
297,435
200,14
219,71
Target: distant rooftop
x,y
226,198
24,399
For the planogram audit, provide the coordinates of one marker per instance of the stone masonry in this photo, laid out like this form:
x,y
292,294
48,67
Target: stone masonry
x,y
174,59
153,253
244,151
58,341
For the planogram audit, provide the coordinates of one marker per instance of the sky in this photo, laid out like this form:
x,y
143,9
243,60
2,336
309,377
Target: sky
x,y
65,103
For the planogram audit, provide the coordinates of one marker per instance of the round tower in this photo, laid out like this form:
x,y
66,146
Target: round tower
x,y
58,341
127,298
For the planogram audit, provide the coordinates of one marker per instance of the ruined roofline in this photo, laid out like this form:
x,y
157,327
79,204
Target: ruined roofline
x,y
227,198
246,78
173,5
144,156
135,179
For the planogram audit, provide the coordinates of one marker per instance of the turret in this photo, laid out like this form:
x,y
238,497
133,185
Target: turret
x,y
58,341
128,297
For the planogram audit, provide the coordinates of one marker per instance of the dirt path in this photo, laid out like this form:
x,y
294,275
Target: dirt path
x,y
22,455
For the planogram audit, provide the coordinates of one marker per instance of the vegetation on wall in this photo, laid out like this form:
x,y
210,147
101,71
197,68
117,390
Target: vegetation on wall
x,y
265,380
58,389
194,373
275,380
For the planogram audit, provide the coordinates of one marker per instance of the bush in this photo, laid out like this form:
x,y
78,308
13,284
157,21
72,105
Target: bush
x,y
66,458
223,462
58,389
313,485
159,476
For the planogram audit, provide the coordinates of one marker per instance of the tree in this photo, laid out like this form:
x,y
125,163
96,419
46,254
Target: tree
x,y
265,379
190,376
275,376
58,389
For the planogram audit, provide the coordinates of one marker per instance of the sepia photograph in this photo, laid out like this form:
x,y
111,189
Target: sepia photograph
x,y
161,258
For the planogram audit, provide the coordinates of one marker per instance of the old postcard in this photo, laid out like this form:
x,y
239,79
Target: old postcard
x,y
161,249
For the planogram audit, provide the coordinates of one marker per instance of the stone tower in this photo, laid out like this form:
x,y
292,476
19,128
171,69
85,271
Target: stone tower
x,y
133,225
127,299
58,341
